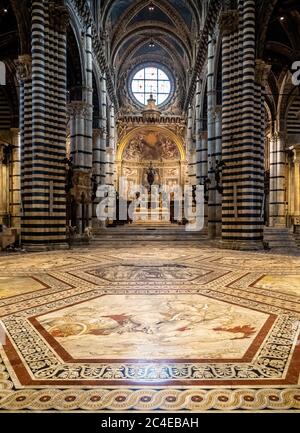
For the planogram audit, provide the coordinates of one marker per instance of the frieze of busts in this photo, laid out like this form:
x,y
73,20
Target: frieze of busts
x,y
262,71
58,16
23,68
228,21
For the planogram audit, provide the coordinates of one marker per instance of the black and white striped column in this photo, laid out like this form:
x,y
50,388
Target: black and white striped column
x,y
242,147
15,179
78,112
24,74
277,180
214,138
44,135
97,133
294,185
201,142
103,127
191,168
88,99
198,130
202,156
111,150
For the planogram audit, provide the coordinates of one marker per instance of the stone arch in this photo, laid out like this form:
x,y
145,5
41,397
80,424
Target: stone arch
x,y
75,58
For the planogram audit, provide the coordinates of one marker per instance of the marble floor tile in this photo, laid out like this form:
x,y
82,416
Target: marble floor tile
x,y
148,326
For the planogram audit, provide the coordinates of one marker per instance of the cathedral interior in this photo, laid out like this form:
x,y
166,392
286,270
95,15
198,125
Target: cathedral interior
x,y
150,205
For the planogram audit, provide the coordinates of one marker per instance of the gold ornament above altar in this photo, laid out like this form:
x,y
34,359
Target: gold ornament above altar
x,y
151,113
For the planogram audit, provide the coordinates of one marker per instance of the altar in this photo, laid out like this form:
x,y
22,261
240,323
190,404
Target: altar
x,y
150,158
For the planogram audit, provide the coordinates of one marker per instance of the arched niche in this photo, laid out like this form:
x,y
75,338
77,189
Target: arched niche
x,y
151,144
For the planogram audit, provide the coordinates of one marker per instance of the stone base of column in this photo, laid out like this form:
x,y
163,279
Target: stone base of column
x,y
98,226
214,230
33,248
16,222
241,245
277,222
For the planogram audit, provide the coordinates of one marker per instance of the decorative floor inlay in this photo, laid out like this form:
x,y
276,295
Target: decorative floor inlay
x,y
14,286
150,327
146,327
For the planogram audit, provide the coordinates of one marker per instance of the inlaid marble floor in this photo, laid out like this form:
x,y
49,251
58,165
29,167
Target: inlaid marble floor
x,y
149,327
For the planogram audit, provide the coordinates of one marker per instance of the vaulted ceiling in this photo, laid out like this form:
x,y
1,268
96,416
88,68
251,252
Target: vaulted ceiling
x,y
281,48
282,45
163,31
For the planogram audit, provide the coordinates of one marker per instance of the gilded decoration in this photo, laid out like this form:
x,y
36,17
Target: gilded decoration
x,y
151,146
158,142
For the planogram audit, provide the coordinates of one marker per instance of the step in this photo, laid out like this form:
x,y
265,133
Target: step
x,y
280,239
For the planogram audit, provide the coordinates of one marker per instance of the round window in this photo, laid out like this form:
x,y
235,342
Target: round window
x,y
153,80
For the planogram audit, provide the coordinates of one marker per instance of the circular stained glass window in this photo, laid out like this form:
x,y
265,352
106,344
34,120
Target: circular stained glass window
x,y
151,80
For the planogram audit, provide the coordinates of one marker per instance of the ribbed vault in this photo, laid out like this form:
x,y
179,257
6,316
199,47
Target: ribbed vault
x,y
140,31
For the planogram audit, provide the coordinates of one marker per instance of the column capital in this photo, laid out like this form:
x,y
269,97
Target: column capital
x,y
82,185
110,151
262,71
296,154
15,130
59,16
77,108
23,67
278,135
218,110
228,21
98,133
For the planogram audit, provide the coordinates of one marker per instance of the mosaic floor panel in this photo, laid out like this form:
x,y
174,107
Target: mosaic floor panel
x,y
147,327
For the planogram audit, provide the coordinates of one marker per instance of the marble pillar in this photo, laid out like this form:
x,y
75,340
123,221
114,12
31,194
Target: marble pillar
x,y
15,179
277,180
294,186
